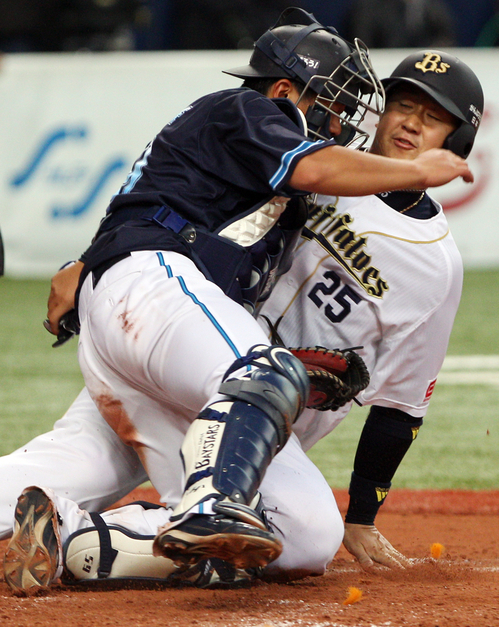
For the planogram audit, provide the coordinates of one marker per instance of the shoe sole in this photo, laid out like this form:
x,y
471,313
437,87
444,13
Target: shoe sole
x,y
30,561
243,551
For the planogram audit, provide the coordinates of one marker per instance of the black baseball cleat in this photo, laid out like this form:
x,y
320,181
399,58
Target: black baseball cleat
x,y
218,536
32,559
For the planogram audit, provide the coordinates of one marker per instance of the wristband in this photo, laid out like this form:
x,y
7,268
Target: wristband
x,y
366,497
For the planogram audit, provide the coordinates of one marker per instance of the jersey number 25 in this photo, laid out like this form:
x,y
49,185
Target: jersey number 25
x,y
342,295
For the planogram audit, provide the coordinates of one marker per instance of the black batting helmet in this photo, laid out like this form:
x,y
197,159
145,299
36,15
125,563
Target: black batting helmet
x,y
452,84
301,49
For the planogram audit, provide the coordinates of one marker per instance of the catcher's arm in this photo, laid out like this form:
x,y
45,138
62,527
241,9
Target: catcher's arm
x,y
62,318
62,294
387,435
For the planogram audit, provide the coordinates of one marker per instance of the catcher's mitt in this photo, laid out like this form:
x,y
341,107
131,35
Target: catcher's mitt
x,y
336,377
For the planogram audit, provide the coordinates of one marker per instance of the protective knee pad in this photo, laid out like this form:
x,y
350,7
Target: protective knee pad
x,y
112,552
106,555
228,448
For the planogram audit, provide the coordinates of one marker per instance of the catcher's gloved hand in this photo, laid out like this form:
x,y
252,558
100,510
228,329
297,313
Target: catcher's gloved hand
x,y
69,326
336,377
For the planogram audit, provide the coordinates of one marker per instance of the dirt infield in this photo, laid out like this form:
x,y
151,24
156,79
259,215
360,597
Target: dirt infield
x,y
461,589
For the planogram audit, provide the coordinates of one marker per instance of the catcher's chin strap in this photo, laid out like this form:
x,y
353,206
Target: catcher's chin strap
x,y
275,338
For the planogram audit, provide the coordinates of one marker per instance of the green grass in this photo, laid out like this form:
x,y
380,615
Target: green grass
x,y
476,330
37,382
457,447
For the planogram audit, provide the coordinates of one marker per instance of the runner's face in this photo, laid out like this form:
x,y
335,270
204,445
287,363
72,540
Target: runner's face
x,y
411,124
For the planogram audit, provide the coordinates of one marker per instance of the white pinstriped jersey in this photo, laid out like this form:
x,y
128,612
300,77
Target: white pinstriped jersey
x,y
372,277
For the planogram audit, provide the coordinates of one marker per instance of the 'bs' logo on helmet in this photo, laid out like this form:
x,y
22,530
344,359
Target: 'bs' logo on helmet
x,y
432,62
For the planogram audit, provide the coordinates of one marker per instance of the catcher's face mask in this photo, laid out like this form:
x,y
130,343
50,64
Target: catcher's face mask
x,y
299,48
353,84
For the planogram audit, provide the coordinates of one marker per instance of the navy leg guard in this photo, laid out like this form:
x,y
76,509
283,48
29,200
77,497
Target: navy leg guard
x,y
248,444
226,453
228,448
267,400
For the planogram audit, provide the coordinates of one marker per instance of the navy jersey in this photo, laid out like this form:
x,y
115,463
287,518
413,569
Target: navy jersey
x,y
220,159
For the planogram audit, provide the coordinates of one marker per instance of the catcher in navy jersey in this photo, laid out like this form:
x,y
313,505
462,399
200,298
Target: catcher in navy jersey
x,y
196,236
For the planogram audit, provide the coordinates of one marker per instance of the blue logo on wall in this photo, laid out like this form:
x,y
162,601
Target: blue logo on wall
x,y
49,146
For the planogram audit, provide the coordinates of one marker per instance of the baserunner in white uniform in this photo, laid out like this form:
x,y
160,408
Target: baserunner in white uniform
x,y
383,272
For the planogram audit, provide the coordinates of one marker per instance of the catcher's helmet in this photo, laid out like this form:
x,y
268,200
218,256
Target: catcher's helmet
x,y
452,84
301,49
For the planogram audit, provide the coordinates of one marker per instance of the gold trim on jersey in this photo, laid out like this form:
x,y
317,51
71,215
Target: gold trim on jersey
x,y
330,230
405,239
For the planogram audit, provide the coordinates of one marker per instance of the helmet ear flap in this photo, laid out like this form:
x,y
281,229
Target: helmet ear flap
x,y
461,140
